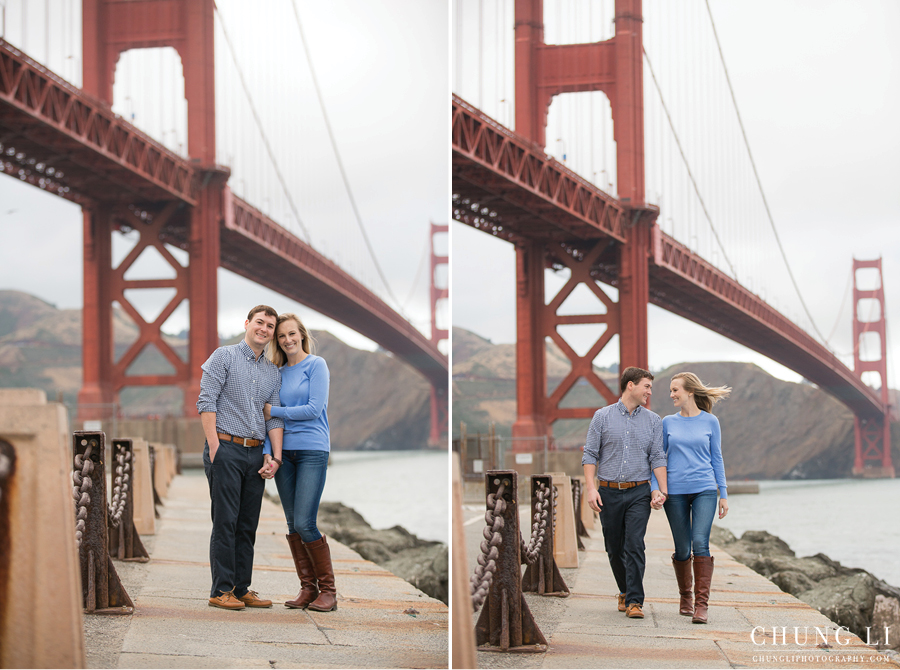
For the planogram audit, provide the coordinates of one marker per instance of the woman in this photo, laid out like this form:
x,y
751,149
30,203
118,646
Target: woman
x,y
300,477
692,440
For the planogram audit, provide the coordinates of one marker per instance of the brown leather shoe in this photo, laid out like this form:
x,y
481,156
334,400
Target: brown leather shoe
x,y
227,601
252,599
309,589
320,555
621,599
633,611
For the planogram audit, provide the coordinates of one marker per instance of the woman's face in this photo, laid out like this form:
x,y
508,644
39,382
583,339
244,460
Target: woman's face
x,y
289,338
677,393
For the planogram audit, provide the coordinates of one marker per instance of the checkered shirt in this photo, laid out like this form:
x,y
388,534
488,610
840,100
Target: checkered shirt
x,y
235,385
625,447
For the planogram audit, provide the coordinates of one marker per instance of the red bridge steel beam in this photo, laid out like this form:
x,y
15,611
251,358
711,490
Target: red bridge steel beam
x,y
512,175
684,283
255,247
59,138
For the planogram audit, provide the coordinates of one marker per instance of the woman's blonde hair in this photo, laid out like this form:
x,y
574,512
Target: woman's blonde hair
x,y
275,353
704,396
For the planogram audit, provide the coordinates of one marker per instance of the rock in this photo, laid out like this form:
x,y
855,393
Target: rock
x,y
721,537
756,544
422,563
886,619
847,600
814,568
791,581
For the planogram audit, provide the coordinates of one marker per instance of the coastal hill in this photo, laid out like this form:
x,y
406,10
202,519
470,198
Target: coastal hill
x,y
771,428
376,401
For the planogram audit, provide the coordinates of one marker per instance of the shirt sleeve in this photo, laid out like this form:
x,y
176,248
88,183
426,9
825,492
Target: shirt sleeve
x,y
319,380
715,456
215,371
654,484
275,401
592,443
657,453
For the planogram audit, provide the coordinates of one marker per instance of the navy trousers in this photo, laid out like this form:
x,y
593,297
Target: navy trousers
x,y
624,520
236,491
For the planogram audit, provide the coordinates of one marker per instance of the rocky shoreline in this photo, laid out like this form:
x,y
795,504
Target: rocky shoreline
x,y
422,563
851,597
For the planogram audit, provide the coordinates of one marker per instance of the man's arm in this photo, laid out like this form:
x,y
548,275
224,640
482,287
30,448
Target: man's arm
x,y
208,421
590,482
658,496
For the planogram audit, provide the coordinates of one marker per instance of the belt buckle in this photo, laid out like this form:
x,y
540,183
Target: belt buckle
x,y
619,485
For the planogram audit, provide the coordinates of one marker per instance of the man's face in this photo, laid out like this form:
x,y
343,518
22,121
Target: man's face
x,y
640,393
260,329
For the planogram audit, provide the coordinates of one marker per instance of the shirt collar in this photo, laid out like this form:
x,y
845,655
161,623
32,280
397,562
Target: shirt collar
x,y
248,352
624,410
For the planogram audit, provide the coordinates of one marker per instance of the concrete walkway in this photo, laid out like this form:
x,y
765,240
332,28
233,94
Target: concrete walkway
x,y
381,620
586,630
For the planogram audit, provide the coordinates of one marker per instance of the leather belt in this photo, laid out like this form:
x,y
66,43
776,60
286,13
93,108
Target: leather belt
x,y
621,485
243,441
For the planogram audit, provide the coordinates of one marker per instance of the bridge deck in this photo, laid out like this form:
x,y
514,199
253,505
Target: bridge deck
x,y
173,626
586,630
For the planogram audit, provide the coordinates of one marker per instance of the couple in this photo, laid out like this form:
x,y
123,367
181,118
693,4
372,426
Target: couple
x,y
627,449
263,410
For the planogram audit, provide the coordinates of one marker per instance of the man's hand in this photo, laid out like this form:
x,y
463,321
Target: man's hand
x,y
267,471
657,498
212,452
593,500
267,411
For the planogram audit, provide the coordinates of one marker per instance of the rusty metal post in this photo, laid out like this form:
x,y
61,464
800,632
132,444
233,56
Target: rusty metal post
x,y
156,499
580,530
506,623
124,541
101,589
543,576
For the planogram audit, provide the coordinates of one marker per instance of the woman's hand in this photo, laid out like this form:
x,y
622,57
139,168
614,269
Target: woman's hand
x,y
267,411
723,508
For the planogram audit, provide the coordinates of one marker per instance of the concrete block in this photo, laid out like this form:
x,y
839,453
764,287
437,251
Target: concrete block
x,y
463,650
587,514
144,510
565,548
40,556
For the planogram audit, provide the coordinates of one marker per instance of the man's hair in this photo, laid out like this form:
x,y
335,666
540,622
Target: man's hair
x,y
633,375
269,311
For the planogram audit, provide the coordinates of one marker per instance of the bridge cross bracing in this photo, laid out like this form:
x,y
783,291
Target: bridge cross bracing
x,y
314,253
711,248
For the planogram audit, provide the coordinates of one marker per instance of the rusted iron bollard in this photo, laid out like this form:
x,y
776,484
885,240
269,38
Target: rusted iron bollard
x,y
124,541
506,623
543,576
580,530
156,499
101,589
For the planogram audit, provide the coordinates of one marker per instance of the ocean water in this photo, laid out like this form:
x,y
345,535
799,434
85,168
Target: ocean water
x,y
854,521
389,488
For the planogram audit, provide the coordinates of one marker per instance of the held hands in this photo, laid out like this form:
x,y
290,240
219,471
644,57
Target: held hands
x,y
723,508
657,498
593,500
267,411
269,468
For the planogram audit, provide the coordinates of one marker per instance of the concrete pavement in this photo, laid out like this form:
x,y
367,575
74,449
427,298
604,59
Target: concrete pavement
x,y
586,630
381,621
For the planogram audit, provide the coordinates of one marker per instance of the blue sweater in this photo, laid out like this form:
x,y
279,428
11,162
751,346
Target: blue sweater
x,y
693,447
304,399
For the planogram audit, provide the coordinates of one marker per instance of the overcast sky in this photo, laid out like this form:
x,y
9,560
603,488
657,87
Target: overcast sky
x,y
818,86
384,76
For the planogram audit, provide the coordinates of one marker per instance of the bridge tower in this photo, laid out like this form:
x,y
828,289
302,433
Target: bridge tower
x,y
111,27
614,66
439,396
873,433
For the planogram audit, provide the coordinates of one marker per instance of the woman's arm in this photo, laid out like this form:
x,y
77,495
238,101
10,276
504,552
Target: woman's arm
x,y
319,380
715,456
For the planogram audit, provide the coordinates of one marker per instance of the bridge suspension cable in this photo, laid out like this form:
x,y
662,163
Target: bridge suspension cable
x,y
756,176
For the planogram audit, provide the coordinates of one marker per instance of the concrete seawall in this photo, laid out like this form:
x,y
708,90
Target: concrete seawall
x,y
381,620
586,630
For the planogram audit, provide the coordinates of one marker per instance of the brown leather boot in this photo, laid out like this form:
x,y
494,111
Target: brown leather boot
x,y
683,577
703,571
308,589
320,555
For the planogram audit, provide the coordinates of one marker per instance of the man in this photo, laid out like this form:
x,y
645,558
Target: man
x,y
237,381
624,443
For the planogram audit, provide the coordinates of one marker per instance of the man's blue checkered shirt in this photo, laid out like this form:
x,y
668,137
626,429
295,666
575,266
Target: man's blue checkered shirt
x,y
235,385
625,447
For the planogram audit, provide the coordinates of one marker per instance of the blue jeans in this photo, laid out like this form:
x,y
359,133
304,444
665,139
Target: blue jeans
x,y
300,481
690,518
